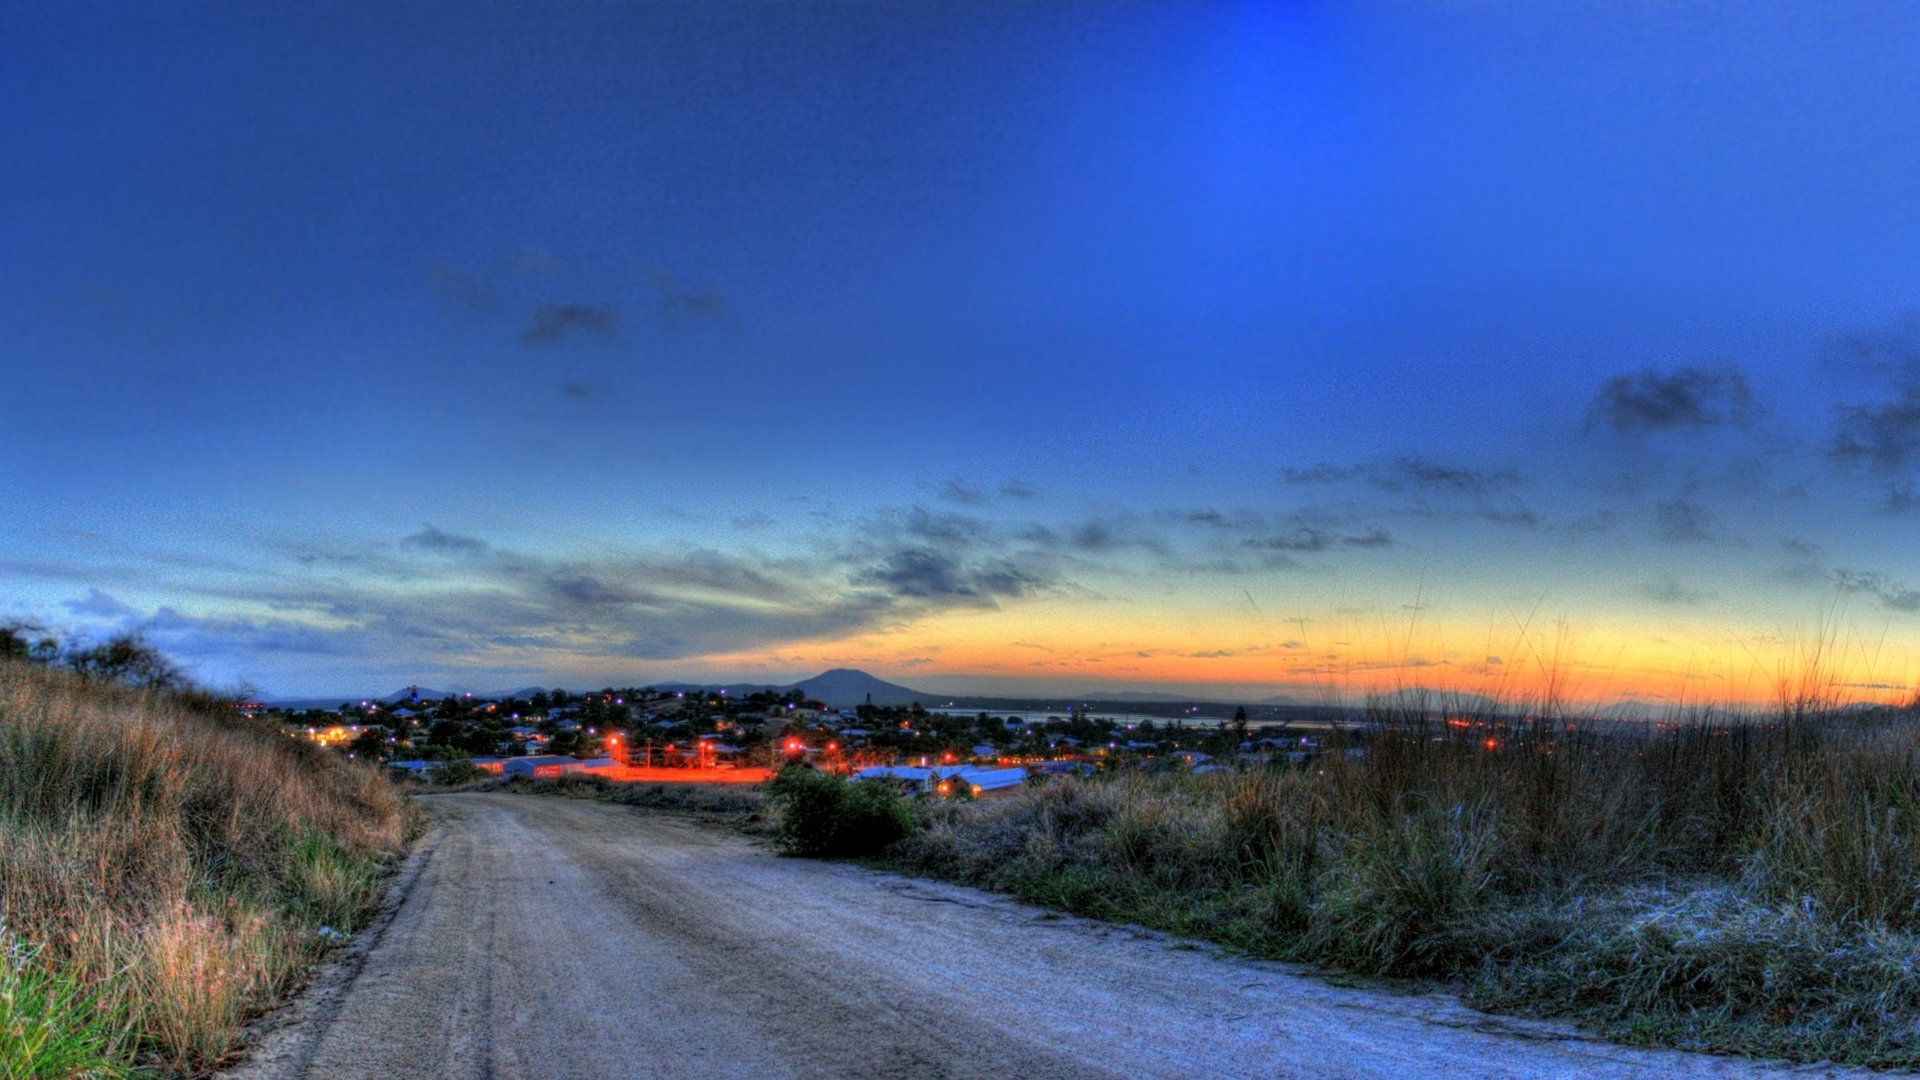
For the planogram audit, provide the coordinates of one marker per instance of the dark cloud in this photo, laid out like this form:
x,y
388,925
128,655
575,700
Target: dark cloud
x,y
462,288
1669,591
955,491
1016,489
1883,436
1310,540
678,302
1681,521
1893,595
1802,563
1901,499
578,390
1318,474
445,543
951,530
1686,397
554,322
1416,473
924,573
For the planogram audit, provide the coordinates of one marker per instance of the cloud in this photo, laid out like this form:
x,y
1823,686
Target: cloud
x,y
1893,595
462,288
677,302
955,491
1016,489
581,391
444,543
554,322
1310,540
923,573
1416,473
1680,521
1883,436
97,604
953,530
755,520
1802,563
1317,474
1686,397
1669,591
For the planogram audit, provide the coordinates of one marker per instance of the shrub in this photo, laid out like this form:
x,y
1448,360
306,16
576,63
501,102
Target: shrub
x,y
1530,858
824,816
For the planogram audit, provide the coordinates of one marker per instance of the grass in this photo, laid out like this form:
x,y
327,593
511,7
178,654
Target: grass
x,y
1746,886
726,800
165,867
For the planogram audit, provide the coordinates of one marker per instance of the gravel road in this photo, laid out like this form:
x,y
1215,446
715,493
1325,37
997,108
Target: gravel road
x,y
541,937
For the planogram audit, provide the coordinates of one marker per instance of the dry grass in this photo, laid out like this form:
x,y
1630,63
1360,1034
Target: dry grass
x,y
175,859
1749,884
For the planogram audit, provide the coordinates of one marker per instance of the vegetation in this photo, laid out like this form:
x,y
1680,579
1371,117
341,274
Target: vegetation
x,y
1742,886
166,864
725,799
823,815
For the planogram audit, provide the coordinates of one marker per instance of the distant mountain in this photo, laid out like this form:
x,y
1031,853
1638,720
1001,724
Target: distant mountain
x,y
1291,701
841,688
409,693
845,687
1149,695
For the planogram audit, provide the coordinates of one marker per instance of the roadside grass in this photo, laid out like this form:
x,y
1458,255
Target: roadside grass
x,y
741,802
165,866
1738,885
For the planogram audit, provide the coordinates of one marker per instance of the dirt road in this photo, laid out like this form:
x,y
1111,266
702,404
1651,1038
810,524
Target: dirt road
x,y
544,937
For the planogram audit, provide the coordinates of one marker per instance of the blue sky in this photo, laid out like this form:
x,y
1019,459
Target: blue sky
x,y
1044,347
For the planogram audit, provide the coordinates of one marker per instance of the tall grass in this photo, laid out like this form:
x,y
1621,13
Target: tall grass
x,y
168,863
1747,884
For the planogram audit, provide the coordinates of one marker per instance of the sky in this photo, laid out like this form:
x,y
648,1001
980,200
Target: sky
x,y
1233,350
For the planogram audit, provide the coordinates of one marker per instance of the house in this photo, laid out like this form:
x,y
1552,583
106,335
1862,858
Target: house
x,y
983,750
945,780
1191,757
543,765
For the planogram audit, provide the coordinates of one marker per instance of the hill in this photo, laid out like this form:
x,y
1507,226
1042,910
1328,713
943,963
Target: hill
x,y
844,687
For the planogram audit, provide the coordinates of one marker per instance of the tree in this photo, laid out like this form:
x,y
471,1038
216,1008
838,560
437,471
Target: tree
x,y
126,658
1239,726
23,639
370,744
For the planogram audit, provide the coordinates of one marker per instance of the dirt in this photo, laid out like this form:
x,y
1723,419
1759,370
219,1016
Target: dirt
x,y
542,937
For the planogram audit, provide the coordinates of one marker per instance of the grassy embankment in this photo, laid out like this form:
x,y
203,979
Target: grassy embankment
x,y
165,867
1745,887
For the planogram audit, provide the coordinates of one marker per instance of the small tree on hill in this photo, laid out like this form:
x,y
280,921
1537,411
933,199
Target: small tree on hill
x,y
126,658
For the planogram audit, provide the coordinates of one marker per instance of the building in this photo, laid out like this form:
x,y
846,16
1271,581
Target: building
x,y
544,765
949,780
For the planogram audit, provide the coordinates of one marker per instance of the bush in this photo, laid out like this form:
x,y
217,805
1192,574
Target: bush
x,y
824,816
1530,859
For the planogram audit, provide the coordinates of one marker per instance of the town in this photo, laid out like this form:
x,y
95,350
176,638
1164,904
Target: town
x,y
714,736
